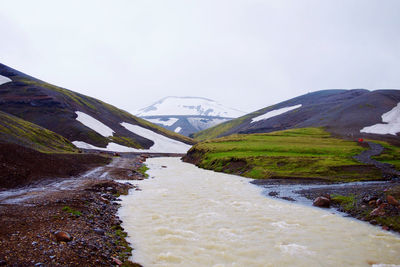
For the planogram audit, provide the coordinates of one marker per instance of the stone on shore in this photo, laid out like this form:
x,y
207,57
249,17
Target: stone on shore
x,y
62,236
379,211
392,201
322,202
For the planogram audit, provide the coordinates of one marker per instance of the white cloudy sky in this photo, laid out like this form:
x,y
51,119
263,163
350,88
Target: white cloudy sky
x,y
246,54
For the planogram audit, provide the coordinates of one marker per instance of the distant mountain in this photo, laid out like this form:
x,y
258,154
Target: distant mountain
x,y
187,115
85,121
348,113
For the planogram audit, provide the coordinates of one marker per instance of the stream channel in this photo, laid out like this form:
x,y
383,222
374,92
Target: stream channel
x,y
187,216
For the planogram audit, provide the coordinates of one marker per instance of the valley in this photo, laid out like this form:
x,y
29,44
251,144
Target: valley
x,y
67,158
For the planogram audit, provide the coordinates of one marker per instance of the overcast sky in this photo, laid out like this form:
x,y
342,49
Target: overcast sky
x,y
246,54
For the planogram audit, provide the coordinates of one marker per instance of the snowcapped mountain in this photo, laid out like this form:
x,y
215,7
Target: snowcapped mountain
x,y
187,115
188,106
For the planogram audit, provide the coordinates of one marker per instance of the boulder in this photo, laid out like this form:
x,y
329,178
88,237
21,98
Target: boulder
x,y
392,201
379,211
62,236
322,202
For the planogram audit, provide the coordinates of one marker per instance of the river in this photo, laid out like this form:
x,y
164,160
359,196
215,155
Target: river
x,y
187,216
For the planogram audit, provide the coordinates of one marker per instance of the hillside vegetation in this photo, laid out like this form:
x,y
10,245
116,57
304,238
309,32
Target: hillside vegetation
x,y
307,153
21,132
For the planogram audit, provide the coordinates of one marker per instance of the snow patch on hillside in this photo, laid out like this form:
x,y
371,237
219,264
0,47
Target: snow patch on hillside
x,y
391,123
94,124
166,122
112,147
274,113
204,123
178,129
162,144
4,79
189,106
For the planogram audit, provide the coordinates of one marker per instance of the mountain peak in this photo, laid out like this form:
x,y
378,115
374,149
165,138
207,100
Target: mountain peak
x,y
188,106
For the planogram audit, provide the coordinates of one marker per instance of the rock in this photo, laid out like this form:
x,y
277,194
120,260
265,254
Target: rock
x,y
328,196
62,236
273,193
116,261
373,222
379,211
322,202
392,201
163,166
379,202
372,202
99,231
385,228
288,198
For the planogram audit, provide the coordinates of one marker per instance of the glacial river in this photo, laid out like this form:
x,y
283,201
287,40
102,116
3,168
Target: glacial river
x,y
186,216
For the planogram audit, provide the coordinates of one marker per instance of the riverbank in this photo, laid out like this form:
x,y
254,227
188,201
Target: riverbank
x,y
373,202
69,221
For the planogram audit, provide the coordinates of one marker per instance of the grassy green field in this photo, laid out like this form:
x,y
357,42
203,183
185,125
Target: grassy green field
x,y
298,153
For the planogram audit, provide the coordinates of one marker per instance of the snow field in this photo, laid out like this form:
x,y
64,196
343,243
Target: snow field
x,y
4,79
274,113
162,144
168,122
391,123
94,124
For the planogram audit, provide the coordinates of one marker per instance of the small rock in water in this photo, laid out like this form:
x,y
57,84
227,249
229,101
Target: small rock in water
x,y
273,193
62,236
373,222
322,202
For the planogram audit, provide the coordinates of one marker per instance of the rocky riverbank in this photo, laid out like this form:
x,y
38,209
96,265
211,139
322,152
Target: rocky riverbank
x,y
378,204
78,226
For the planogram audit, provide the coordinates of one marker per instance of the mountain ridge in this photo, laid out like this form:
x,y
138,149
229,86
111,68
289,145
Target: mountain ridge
x,y
187,114
341,112
55,108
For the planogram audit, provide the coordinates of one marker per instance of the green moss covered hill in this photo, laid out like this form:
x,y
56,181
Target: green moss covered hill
x,y
18,131
54,108
306,153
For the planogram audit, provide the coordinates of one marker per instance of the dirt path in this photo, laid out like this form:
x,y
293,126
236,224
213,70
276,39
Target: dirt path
x,y
375,150
85,207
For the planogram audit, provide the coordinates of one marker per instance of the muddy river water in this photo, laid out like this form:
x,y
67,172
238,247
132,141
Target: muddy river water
x,y
186,216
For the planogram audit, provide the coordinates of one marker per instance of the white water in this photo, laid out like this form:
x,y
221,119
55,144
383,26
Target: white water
x,y
187,216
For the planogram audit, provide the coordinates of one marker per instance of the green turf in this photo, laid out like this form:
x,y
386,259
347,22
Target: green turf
x,y
297,153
